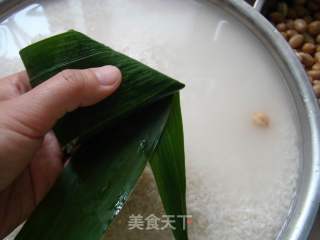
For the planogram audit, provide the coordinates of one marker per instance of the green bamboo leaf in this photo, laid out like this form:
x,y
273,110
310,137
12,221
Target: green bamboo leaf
x,y
168,167
140,86
97,182
116,138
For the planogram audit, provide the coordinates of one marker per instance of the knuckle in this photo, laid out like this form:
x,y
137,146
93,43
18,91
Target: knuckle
x,y
18,86
13,86
75,79
68,75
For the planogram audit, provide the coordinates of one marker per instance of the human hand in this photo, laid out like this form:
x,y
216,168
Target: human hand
x,y
30,156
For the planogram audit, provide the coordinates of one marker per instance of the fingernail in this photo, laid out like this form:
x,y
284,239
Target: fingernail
x,y
108,75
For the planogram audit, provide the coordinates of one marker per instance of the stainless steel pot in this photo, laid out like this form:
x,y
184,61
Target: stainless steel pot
x,y
305,206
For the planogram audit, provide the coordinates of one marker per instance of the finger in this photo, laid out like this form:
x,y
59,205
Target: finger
x,y
36,111
30,187
14,85
17,202
46,166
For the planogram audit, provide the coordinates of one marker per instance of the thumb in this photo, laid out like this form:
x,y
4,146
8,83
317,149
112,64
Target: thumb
x,y
37,110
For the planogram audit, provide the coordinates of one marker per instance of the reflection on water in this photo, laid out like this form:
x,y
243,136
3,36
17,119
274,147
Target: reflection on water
x,y
17,31
219,29
33,22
